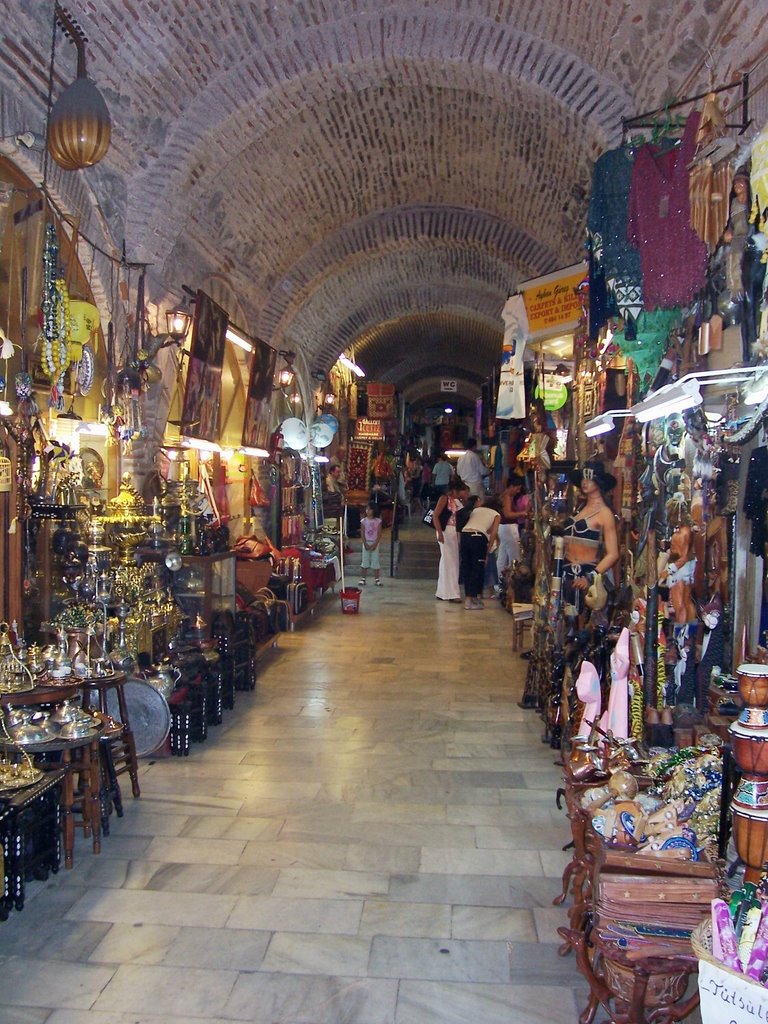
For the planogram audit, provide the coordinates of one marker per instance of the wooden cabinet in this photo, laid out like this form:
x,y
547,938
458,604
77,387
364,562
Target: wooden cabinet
x,y
205,584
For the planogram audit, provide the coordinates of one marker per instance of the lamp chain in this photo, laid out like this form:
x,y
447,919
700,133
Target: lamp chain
x,y
49,100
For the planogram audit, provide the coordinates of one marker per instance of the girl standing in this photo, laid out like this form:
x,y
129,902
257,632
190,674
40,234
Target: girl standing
x,y
370,527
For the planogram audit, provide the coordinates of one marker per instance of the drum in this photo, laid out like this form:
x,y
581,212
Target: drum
x,y
148,714
750,748
752,792
753,684
750,837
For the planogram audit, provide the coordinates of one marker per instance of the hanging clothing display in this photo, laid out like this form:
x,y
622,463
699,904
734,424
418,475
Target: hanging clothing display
x,y
672,256
607,214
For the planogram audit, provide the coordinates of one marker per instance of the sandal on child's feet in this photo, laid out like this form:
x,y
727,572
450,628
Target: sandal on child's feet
x,y
378,583
362,583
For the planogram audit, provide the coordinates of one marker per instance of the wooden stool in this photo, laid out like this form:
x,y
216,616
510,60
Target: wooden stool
x,y
122,743
522,616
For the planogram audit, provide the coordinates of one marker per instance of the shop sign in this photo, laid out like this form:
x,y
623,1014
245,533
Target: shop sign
x,y
727,998
554,396
369,430
552,302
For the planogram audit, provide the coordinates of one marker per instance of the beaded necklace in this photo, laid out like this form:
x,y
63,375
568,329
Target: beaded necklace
x,y
55,356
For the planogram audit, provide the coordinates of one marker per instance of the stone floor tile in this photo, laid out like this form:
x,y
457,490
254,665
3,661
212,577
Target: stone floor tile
x,y
427,1002
439,959
306,999
37,982
161,991
300,953
274,913
501,923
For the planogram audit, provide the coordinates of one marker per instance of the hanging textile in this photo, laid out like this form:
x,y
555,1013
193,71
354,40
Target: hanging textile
x,y
672,256
359,465
759,171
381,401
510,404
607,214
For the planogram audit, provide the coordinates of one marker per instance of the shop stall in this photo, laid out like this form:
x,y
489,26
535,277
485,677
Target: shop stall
x,y
644,559
161,522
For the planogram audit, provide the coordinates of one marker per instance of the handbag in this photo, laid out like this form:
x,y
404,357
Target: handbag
x,y
427,519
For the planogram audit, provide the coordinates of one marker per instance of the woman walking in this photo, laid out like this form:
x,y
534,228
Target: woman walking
x,y
444,519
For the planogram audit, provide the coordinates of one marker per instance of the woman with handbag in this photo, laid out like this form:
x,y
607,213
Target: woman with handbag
x,y
444,521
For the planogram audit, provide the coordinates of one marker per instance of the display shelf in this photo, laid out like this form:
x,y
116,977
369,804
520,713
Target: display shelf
x,y
205,584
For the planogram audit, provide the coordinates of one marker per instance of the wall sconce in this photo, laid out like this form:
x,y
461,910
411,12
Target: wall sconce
x,y
286,375
178,322
330,398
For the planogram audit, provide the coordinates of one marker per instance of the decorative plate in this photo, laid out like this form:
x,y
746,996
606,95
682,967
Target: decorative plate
x,y
86,370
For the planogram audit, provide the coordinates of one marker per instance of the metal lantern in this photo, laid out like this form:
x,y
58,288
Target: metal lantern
x,y
79,126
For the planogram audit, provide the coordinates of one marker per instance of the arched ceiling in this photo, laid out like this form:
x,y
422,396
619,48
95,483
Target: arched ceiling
x,y
376,176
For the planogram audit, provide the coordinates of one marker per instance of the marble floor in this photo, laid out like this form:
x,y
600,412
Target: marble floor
x,y
369,838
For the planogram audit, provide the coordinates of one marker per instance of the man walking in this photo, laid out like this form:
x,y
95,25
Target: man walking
x,y
471,469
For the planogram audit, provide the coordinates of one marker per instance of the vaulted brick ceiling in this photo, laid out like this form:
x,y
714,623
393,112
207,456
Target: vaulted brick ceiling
x,y
368,175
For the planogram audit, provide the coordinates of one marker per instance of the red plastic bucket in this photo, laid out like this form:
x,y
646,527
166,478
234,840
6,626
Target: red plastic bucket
x,y
350,601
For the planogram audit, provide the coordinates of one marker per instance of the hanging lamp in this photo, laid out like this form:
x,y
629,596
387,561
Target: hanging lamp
x,y
79,126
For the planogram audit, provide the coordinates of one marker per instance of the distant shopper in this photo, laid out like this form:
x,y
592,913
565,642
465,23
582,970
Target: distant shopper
x,y
444,519
370,529
471,468
441,475
514,511
478,537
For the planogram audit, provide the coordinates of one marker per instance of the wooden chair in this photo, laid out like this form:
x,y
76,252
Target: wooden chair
x,y
522,618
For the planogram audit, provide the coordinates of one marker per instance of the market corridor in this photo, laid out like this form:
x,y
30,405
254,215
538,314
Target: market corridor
x,y
369,838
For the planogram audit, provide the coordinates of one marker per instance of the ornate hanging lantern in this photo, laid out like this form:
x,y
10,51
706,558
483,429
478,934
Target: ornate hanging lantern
x,y
79,126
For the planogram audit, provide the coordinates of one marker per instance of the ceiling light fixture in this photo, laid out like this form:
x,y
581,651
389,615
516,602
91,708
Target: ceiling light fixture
x,y
239,339
351,365
255,453
605,422
200,444
685,393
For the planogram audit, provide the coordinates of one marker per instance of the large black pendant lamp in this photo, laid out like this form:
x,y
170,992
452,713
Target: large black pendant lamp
x,y
79,126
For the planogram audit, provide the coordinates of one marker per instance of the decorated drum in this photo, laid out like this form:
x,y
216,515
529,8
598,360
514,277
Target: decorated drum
x,y
754,718
752,792
750,837
750,748
753,684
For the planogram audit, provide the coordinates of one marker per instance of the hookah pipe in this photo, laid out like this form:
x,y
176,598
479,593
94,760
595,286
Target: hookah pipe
x,y
555,699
